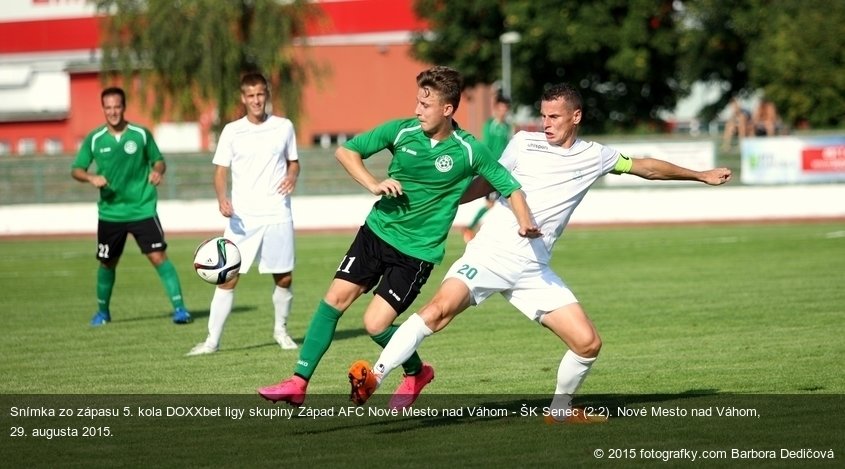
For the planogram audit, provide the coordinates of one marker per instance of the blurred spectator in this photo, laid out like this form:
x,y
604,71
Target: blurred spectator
x,y
496,133
766,121
738,124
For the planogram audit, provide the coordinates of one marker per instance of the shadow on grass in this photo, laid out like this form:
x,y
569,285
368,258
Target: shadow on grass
x,y
339,335
195,314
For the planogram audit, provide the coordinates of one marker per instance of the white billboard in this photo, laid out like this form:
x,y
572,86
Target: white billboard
x,y
698,155
26,10
793,160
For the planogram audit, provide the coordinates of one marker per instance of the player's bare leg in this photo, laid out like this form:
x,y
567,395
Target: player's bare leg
x,y
572,325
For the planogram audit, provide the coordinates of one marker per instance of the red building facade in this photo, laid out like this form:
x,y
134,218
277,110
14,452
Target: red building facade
x,y
50,82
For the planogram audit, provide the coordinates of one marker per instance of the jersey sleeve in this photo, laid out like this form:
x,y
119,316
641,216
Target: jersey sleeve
x,y
291,151
613,162
497,175
223,153
153,152
375,140
84,156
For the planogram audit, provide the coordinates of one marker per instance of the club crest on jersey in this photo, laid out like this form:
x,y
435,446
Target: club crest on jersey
x,y
130,147
444,163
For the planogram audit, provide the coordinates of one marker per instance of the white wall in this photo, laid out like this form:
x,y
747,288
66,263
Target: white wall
x,y
601,206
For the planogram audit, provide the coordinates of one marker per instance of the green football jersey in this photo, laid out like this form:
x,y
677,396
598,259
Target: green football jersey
x,y
125,162
496,136
433,179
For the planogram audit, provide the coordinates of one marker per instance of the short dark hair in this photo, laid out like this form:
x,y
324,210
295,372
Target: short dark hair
x,y
500,98
444,80
116,91
252,79
566,92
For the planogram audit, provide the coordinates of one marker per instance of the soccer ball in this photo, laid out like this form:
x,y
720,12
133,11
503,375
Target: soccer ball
x,y
217,260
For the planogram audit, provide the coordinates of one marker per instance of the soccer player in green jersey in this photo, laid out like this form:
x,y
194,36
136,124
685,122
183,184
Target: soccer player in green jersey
x,y
556,169
129,166
404,235
495,134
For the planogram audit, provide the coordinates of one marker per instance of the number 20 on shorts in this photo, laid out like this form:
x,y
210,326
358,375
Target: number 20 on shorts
x,y
467,271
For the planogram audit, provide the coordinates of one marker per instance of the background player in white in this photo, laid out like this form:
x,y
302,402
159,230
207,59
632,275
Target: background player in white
x,y
260,150
556,169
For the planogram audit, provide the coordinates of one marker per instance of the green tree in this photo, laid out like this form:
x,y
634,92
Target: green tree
x,y
620,53
799,61
789,49
714,46
189,52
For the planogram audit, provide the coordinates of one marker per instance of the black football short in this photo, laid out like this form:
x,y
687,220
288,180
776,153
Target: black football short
x,y
370,259
111,237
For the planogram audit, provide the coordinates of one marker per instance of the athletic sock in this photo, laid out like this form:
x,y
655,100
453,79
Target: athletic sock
x,y
405,341
170,280
282,299
413,364
317,340
571,373
105,285
221,306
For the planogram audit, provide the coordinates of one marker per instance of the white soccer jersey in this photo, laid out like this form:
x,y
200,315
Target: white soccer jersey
x,y
555,180
257,156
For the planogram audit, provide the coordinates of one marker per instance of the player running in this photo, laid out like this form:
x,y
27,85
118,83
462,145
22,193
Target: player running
x,y
556,169
405,233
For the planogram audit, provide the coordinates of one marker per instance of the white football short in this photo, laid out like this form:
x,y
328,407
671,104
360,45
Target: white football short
x,y
532,288
272,245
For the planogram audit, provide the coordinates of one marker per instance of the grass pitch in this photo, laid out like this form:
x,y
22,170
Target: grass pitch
x,y
744,317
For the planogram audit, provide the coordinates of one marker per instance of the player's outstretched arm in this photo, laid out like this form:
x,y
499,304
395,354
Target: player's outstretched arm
x,y
653,168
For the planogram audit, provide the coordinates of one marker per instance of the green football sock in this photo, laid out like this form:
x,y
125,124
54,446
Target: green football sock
x,y
170,280
414,363
317,339
477,218
105,285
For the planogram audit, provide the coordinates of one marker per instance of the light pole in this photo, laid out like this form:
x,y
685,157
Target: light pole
x,y
508,38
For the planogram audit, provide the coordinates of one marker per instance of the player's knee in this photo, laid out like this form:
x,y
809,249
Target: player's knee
x,y
373,327
339,301
590,347
157,257
283,280
435,315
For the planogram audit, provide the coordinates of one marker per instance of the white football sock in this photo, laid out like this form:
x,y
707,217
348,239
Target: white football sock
x,y
282,299
221,306
571,373
402,345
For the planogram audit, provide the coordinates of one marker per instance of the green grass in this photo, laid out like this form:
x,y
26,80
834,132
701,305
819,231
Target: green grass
x,y
692,316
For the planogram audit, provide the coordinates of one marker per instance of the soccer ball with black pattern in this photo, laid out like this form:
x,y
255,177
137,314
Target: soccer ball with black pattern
x,y
217,260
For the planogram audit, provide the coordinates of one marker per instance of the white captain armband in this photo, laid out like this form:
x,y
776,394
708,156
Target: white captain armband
x,y
623,164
